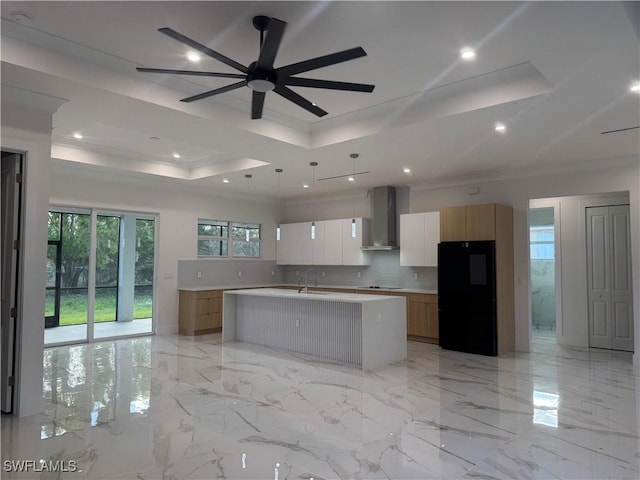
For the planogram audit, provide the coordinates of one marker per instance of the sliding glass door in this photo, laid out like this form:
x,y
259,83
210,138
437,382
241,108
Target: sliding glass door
x,y
100,272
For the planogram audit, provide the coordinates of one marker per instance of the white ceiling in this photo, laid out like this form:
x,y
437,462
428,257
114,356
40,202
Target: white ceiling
x,y
556,73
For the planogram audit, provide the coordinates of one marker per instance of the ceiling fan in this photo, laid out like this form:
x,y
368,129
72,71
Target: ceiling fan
x,y
261,77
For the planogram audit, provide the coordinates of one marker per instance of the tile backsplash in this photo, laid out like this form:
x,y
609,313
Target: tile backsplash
x,y
385,270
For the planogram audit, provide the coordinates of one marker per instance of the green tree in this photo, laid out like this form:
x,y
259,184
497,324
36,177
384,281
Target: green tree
x,y
74,229
145,230
107,243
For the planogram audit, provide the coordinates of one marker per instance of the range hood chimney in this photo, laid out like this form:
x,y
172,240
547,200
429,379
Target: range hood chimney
x,y
384,219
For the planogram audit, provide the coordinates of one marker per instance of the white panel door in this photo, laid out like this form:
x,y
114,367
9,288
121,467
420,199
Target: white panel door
x,y
412,246
609,278
621,288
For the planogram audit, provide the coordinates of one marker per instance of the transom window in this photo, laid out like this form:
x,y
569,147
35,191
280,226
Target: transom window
x,y
215,237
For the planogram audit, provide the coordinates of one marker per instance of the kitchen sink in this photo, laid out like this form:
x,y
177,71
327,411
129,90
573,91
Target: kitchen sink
x,y
380,287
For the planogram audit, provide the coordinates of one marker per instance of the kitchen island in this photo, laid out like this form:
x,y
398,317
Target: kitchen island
x,y
367,331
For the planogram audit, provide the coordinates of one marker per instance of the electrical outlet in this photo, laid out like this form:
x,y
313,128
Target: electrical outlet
x,y
415,276
297,322
199,274
359,274
273,273
324,274
239,273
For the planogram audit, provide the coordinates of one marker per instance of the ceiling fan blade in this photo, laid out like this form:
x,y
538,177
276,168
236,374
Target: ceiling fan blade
x,y
299,100
313,83
257,103
190,72
271,44
320,62
211,93
206,50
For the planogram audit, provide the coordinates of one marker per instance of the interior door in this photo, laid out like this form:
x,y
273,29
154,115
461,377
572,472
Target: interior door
x,y
609,278
11,191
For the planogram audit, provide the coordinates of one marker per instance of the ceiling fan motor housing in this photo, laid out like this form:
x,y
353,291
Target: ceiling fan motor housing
x,y
261,80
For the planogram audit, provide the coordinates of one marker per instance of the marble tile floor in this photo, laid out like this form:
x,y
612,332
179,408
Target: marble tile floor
x,y
191,408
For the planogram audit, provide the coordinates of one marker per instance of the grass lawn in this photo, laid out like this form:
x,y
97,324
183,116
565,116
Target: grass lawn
x,y
73,305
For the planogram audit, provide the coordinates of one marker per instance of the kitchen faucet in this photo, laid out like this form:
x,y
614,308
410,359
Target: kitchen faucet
x,y
305,289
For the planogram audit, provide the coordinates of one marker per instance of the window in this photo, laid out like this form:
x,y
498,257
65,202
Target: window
x,y
246,239
214,237
541,242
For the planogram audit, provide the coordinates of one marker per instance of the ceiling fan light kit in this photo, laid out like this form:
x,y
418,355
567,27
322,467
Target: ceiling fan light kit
x,y
261,77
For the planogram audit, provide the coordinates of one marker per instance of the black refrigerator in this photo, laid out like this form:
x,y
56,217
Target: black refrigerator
x,y
467,297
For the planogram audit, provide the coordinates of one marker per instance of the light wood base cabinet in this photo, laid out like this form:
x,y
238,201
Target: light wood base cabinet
x,y
422,317
200,312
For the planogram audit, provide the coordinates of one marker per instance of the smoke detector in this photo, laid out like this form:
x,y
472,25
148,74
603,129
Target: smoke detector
x,y
22,18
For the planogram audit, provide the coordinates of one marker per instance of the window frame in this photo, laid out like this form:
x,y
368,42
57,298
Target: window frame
x,y
229,238
535,252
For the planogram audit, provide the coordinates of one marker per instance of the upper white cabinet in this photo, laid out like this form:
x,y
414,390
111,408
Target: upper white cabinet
x,y
294,246
327,244
353,238
335,243
419,237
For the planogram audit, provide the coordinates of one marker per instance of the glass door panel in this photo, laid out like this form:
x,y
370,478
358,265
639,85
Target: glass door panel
x,y
52,302
73,230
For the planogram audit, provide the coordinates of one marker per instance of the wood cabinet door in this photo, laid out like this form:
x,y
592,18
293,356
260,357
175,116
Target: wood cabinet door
x,y
432,320
481,222
453,224
417,319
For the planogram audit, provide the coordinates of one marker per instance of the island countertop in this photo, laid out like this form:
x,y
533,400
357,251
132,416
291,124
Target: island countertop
x,y
325,296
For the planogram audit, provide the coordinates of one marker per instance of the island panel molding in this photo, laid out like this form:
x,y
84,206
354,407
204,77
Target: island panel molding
x,y
343,327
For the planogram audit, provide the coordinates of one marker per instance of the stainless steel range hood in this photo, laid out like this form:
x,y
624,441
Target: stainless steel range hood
x,y
384,219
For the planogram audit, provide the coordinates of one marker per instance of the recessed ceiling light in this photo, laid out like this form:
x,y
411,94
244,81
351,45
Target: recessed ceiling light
x,y
351,179
305,186
501,127
406,170
467,54
193,56
176,155
225,180
77,135
635,87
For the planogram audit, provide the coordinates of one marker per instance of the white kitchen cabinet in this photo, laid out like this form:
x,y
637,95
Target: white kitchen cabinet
x,y
294,246
419,237
318,244
333,243
352,253
327,246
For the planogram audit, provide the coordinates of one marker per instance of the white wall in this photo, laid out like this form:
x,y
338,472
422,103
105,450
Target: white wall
x,y
356,204
619,176
177,208
27,128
